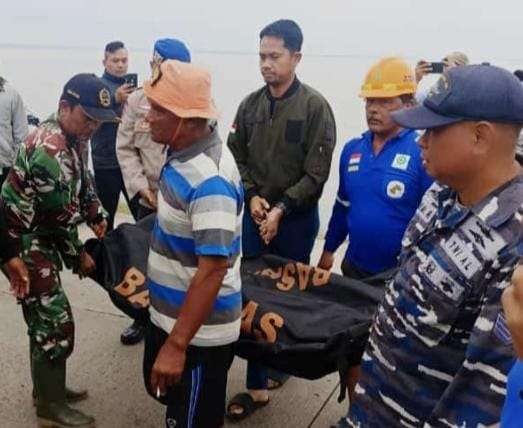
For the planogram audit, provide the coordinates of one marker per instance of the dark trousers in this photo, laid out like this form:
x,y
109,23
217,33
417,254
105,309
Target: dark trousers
x,y
351,271
351,377
3,175
198,400
109,184
295,239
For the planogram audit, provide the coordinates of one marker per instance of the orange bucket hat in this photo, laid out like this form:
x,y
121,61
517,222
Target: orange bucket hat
x,y
182,88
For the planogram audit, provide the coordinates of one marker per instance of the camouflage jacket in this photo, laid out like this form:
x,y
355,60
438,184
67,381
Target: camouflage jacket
x,y
439,351
48,192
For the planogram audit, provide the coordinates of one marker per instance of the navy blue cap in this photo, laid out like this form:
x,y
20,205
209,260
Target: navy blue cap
x,y
93,96
171,49
472,92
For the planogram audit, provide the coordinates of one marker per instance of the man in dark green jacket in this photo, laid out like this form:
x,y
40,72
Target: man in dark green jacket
x,y
282,139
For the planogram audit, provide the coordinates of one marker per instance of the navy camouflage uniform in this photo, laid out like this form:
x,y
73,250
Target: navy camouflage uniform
x,y
439,351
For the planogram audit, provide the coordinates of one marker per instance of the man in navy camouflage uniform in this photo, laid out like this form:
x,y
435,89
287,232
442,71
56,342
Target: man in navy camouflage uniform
x,y
438,353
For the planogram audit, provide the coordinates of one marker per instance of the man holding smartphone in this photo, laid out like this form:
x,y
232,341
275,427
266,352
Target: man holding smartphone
x,y
425,69
107,174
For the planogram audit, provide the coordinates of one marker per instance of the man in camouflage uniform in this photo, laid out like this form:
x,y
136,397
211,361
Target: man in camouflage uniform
x,y
47,194
438,354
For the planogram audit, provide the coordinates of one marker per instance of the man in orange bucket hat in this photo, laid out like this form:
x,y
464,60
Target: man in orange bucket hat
x,y
193,269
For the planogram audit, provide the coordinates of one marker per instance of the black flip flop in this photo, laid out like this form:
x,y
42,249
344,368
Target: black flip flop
x,y
247,403
278,378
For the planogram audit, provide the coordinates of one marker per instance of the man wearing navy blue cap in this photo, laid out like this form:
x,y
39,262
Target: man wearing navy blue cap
x,y
439,352
48,192
140,158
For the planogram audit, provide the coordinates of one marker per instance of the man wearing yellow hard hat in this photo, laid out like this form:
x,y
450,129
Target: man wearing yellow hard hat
x,y
382,178
381,181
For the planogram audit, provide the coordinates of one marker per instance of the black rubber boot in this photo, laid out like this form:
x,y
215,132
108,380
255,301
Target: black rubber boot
x,y
51,407
71,395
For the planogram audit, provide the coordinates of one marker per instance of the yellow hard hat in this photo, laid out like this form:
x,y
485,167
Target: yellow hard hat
x,y
389,77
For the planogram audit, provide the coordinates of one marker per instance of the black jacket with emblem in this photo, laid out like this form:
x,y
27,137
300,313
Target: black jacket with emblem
x,y
283,147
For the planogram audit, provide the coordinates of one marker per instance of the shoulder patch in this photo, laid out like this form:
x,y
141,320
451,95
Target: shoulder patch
x,y
401,161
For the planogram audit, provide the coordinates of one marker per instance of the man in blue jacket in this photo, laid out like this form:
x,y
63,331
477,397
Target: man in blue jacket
x,y
107,173
382,178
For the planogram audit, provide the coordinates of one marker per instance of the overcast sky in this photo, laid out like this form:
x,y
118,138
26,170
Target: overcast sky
x,y
485,29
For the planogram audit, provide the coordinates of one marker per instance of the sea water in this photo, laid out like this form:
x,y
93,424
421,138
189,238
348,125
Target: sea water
x,y
40,73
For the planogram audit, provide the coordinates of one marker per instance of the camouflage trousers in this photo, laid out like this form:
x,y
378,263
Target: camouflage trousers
x,y
46,309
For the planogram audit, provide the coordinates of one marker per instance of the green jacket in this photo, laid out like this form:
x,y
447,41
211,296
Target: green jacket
x,y
48,192
283,147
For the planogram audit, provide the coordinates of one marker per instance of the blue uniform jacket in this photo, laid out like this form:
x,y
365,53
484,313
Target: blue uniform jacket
x,y
377,197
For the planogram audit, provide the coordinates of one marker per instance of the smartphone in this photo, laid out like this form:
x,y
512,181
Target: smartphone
x,y
131,79
436,67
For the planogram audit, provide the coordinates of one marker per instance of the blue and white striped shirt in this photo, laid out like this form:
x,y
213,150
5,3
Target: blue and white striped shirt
x,y
200,208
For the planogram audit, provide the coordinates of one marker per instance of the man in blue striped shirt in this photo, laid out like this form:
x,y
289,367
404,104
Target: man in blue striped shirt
x,y
194,258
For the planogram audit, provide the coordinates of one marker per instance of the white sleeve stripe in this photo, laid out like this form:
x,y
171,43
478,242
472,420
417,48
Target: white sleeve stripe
x,y
342,202
214,220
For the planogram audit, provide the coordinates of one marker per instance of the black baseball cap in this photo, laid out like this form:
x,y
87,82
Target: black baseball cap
x,y
92,95
472,92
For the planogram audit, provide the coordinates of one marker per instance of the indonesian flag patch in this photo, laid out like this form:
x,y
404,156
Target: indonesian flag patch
x,y
354,162
355,158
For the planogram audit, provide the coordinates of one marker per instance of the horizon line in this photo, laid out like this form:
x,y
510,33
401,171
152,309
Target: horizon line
x,y
23,46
